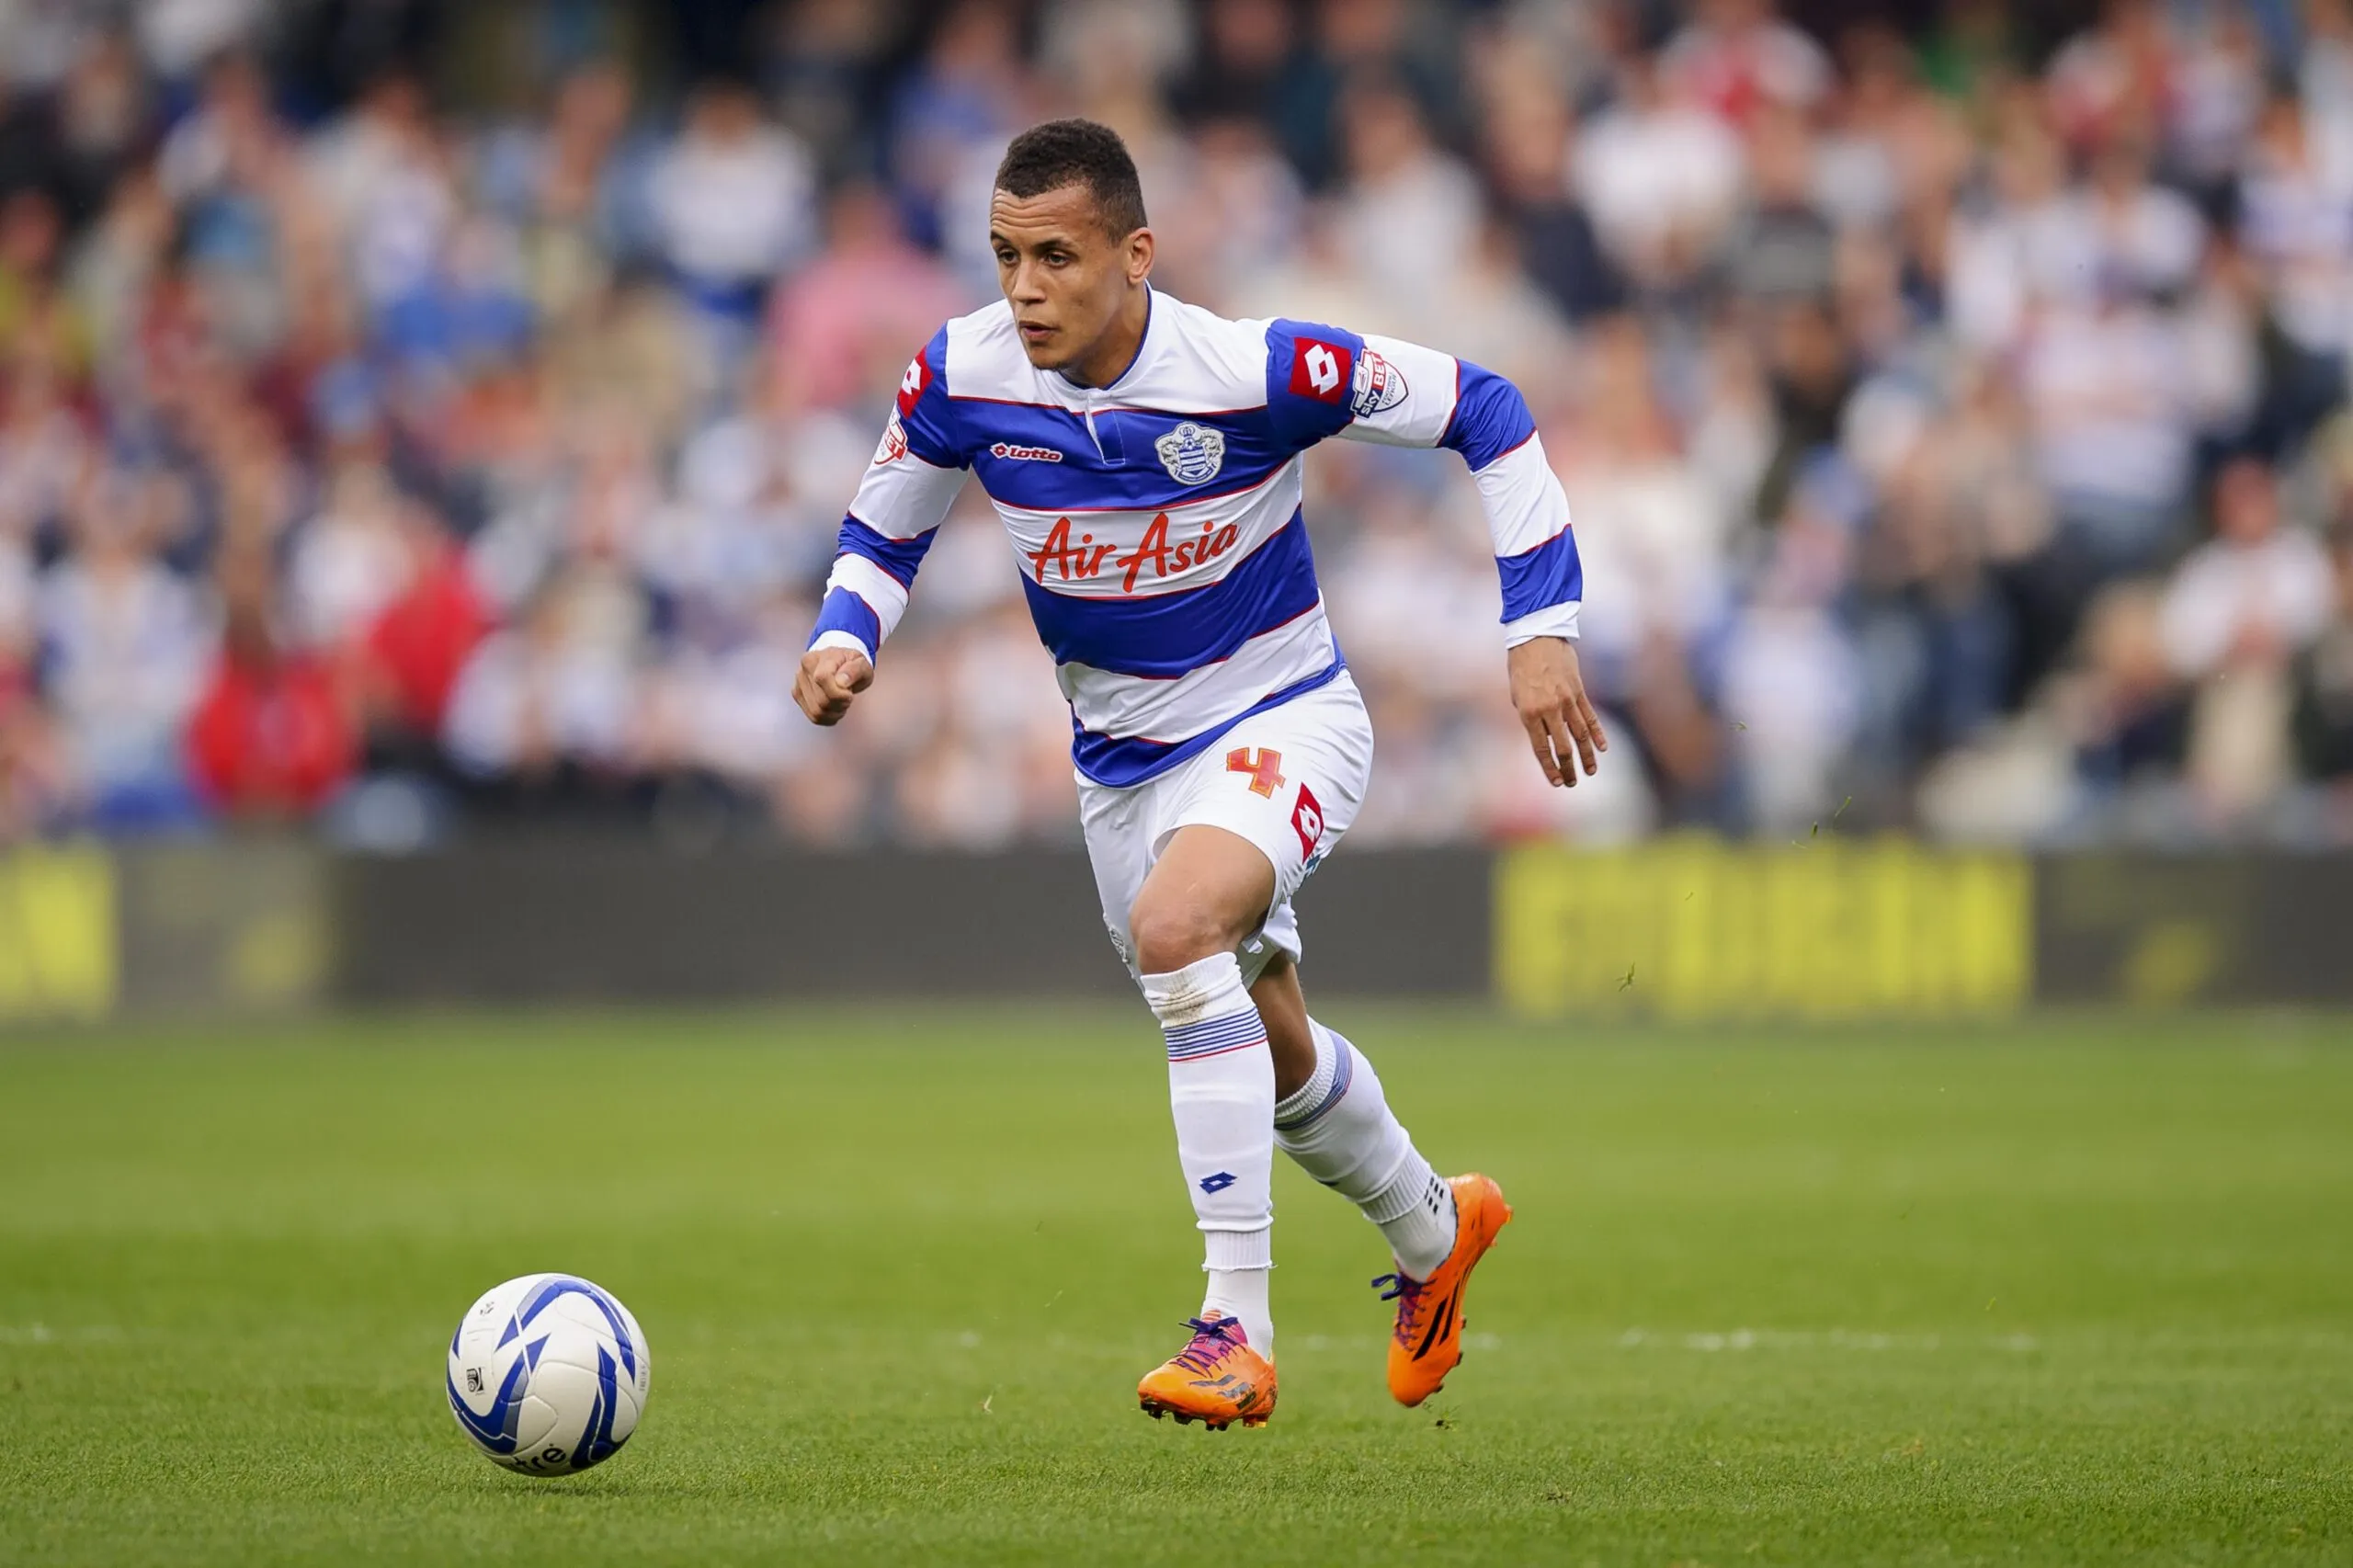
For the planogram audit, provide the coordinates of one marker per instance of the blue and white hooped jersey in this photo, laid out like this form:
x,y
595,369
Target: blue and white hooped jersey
x,y
1156,521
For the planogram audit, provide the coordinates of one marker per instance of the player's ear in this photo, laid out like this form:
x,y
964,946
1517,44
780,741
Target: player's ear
x,y
1139,255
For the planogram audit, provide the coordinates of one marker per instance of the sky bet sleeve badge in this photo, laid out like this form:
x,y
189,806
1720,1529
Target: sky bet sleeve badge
x,y
1191,453
1379,386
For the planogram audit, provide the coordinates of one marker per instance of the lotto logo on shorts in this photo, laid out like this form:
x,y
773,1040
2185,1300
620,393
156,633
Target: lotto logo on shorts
x,y
1308,818
1321,370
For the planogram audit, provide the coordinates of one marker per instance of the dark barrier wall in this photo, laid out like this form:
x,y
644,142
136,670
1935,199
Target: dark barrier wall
x,y
1680,927
590,922
601,921
239,927
2209,930
1684,928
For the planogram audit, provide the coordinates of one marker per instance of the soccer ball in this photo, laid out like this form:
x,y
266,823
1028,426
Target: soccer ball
x,y
549,1374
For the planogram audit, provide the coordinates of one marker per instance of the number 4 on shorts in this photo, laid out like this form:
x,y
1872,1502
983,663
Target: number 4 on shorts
x,y
1264,767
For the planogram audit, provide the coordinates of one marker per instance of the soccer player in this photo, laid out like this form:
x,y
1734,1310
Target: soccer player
x,y
1144,456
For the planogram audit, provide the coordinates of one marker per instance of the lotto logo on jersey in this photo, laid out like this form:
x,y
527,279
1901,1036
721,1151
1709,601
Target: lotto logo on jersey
x,y
1321,370
1014,453
912,384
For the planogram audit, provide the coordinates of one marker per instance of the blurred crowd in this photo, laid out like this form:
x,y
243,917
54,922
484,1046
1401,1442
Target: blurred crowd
x,y
418,416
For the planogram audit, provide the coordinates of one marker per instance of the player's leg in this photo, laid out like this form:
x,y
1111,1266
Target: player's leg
x,y
1338,1126
1234,832
1333,1119
1291,1033
1217,1378
1206,892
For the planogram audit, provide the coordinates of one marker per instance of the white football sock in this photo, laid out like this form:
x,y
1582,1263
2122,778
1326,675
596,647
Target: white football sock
x,y
1221,1092
1338,1126
1240,1292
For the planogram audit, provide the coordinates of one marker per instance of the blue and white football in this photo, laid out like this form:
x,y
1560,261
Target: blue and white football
x,y
549,1374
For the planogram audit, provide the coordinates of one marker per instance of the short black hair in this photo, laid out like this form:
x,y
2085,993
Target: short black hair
x,y
1077,152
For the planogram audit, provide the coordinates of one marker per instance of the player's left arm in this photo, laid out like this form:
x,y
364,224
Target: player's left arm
x,y
1327,381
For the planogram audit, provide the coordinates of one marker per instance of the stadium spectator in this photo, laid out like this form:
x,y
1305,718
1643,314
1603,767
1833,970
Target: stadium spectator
x,y
1784,248
1662,177
2125,710
1238,215
35,794
102,114
2323,682
2256,593
574,187
546,712
733,203
2295,198
1739,57
420,641
269,737
2238,613
1410,218
125,645
1528,144
2114,429
1240,66
2117,76
348,562
383,173
177,36
847,323
962,100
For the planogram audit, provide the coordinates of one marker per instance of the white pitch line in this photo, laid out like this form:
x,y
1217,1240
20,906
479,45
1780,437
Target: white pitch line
x,y
1743,1339
47,1334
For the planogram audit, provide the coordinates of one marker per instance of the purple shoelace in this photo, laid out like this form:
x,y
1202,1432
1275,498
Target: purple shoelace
x,y
1215,1333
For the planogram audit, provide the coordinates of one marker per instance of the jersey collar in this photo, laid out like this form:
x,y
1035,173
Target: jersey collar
x,y
1144,350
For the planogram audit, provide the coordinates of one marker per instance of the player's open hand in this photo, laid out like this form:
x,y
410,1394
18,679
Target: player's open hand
x,y
829,677
1550,696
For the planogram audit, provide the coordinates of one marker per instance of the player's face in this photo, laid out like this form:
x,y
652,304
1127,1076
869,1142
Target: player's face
x,y
1065,277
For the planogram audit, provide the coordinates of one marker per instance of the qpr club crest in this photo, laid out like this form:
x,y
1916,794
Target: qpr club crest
x,y
1191,453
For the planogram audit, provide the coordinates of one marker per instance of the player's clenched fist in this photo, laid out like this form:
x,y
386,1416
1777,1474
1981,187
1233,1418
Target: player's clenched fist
x,y
1549,695
829,677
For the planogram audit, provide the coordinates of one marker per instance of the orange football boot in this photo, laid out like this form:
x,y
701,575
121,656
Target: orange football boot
x,y
1217,1380
1430,1321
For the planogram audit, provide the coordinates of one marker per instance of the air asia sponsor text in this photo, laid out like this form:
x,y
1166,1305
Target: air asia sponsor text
x,y
1075,561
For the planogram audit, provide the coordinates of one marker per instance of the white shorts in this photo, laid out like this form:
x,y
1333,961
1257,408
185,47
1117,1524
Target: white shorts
x,y
1289,781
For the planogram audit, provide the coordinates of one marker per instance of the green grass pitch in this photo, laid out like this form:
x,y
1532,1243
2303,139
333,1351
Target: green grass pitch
x,y
2075,1291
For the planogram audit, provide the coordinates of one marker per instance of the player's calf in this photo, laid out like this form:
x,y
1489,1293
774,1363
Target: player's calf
x,y
1194,910
1340,1129
1221,1097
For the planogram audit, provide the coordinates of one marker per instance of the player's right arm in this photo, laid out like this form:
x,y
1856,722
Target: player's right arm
x,y
906,491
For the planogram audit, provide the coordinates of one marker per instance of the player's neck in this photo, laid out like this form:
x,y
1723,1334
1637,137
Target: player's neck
x,y
1117,349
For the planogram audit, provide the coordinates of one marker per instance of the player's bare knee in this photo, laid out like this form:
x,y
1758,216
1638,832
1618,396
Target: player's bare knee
x,y
1170,934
